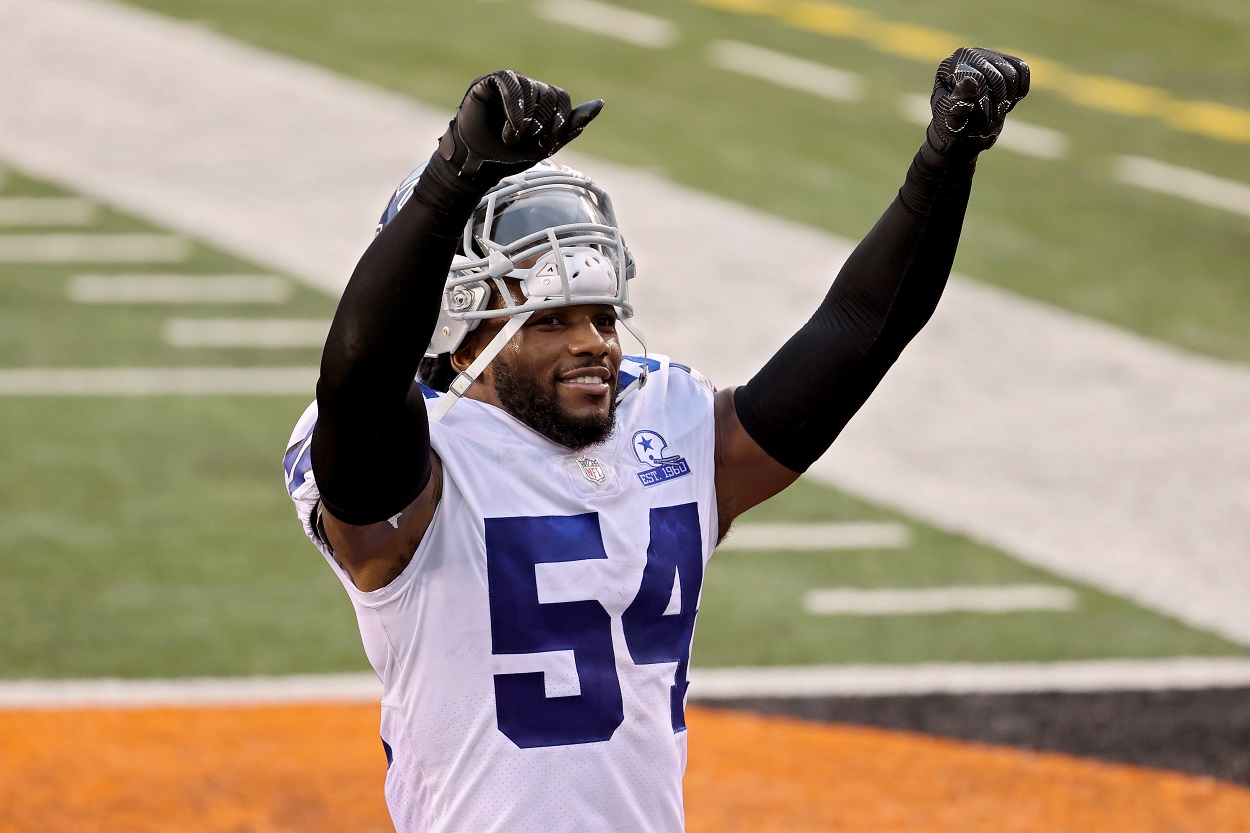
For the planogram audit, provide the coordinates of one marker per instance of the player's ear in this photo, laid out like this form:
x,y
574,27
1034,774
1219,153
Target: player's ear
x,y
462,358
474,342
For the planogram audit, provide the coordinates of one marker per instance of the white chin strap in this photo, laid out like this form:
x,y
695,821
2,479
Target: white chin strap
x,y
461,384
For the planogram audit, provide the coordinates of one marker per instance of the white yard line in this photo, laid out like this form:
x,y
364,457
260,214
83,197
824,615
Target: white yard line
x,y
853,535
204,692
969,678
151,381
627,25
1018,136
1186,183
246,332
706,684
1081,448
46,211
178,289
93,248
854,601
1033,140
785,70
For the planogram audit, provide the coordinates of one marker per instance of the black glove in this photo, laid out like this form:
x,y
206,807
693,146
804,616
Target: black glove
x,y
506,123
974,90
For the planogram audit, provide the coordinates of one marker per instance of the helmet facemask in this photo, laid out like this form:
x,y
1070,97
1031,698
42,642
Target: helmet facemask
x,y
551,234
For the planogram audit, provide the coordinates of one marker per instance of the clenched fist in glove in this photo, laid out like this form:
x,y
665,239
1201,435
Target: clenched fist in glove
x,y
974,90
508,122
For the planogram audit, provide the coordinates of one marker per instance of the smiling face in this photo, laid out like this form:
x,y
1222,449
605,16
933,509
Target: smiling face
x,y
558,374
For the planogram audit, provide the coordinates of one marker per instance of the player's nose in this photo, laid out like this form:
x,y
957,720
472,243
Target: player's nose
x,y
587,339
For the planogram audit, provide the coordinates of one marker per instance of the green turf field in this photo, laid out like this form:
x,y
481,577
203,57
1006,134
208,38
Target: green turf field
x,y
151,536
751,610
39,328
1063,231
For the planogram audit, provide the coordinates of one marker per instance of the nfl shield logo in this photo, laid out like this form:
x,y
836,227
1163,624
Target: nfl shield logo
x,y
592,469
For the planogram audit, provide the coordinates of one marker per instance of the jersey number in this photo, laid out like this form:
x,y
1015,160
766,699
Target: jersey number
x,y
520,624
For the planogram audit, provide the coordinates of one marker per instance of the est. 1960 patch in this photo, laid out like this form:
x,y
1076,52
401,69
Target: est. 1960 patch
x,y
652,451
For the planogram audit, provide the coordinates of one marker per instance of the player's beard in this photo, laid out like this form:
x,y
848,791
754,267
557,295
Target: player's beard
x,y
539,407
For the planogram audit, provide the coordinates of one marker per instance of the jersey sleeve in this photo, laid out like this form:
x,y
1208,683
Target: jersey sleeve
x,y
301,485
634,367
695,375
671,424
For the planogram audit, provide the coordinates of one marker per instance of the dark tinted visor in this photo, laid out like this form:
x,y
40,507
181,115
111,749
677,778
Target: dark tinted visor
x,y
538,210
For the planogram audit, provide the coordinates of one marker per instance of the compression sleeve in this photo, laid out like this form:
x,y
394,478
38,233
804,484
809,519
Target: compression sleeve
x,y
804,396
371,444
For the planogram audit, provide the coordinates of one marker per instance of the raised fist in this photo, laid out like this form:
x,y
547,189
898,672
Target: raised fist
x,y
974,90
507,122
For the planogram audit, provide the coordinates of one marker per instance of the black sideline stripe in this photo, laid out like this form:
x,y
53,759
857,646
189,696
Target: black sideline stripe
x,y
1200,732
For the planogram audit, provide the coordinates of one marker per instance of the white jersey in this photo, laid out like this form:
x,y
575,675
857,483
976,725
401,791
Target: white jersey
x,y
534,652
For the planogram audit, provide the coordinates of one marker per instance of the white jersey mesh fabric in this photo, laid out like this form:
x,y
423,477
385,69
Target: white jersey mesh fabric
x,y
533,653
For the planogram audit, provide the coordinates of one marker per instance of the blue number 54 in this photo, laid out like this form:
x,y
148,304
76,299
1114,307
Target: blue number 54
x,y
520,624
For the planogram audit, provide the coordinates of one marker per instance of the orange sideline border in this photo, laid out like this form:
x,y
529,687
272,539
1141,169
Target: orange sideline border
x,y
320,768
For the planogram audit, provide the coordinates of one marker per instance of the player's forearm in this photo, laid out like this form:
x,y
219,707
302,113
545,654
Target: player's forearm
x,y
891,283
796,406
506,123
388,310
371,450
371,446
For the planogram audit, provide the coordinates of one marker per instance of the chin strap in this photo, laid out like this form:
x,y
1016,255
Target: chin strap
x,y
461,384
638,334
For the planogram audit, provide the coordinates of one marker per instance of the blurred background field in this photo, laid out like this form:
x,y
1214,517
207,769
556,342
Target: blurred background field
x,y
1064,231
149,536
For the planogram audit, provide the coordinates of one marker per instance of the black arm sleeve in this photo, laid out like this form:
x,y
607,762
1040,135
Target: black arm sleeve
x,y
804,396
371,445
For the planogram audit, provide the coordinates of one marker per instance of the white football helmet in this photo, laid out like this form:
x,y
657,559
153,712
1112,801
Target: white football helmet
x,y
552,233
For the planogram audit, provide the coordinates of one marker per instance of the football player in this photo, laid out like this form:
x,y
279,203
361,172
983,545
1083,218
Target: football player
x,y
523,535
